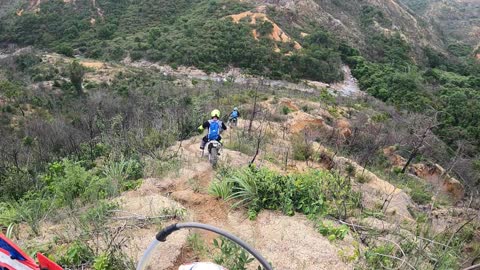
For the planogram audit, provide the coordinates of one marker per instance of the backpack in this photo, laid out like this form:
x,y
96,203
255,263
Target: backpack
x,y
213,130
234,114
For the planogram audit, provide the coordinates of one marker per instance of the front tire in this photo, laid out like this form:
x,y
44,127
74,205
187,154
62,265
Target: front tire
x,y
213,156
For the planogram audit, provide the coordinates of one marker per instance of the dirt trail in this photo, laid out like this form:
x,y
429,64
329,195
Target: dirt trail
x,y
289,242
349,86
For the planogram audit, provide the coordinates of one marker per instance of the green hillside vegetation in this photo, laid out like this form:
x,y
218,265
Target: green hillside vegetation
x,y
181,33
75,143
447,84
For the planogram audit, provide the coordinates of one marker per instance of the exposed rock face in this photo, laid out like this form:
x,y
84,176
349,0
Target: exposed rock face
x,y
432,173
436,175
277,33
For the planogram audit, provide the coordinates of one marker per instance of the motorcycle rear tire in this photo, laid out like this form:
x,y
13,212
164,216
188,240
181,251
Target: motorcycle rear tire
x,y
213,156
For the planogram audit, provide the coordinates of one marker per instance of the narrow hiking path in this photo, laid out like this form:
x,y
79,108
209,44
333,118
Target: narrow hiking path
x,y
288,242
347,87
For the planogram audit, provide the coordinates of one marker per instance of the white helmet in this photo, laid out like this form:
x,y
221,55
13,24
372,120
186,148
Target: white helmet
x,y
201,266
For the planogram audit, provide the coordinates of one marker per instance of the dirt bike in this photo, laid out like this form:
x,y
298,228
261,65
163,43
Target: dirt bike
x,y
13,258
213,148
163,234
232,122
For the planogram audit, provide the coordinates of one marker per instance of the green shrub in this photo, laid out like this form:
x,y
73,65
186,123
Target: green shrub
x,y
397,170
377,257
71,183
8,214
31,209
301,147
101,262
362,179
197,244
65,49
27,60
230,255
10,189
76,254
221,189
131,184
136,55
119,171
420,196
333,232
306,108
286,110
350,169
315,192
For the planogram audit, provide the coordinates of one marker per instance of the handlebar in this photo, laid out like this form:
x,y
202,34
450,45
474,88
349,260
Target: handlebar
x,y
163,234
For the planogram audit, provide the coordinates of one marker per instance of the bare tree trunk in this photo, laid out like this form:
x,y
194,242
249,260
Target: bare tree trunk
x,y
420,143
458,153
415,151
254,111
257,150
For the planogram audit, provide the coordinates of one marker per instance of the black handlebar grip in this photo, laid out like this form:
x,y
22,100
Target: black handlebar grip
x,y
163,234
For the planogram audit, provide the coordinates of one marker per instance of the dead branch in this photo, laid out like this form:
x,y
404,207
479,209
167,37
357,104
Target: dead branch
x,y
403,253
476,266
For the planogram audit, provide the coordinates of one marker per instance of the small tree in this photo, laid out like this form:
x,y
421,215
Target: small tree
x,y
265,28
420,133
77,71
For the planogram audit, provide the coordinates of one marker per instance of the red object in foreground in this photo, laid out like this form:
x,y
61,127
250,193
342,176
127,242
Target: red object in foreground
x,y
45,263
13,258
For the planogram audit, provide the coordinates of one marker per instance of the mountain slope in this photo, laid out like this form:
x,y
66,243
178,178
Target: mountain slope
x,y
109,29
459,20
354,21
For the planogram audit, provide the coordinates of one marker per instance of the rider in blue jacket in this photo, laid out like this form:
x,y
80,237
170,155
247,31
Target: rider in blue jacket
x,y
215,126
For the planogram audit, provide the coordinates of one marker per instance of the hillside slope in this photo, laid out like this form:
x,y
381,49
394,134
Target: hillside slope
x,y
111,159
351,20
458,20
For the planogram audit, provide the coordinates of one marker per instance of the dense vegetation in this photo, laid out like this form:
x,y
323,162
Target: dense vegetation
x,y
448,84
313,193
78,142
197,33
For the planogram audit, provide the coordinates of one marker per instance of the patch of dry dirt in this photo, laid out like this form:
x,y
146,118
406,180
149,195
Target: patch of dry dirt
x,y
301,121
277,33
93,64
134,203
291,243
